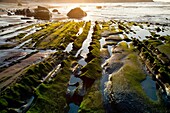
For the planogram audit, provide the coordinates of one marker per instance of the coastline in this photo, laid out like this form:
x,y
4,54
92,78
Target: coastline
x,y
92,64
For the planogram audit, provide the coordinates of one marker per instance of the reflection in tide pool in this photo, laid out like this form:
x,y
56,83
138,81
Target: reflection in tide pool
x,y
69,47
149,86
73,108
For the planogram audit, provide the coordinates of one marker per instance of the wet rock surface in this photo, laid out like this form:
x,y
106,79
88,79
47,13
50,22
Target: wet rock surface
x,y
123,100
69,66
118,95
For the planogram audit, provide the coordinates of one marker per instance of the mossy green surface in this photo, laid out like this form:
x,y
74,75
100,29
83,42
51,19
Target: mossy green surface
x,y
62,36
43,33
92,69
165,49
130,77
80,39
52,97
31,77
92,102
134,73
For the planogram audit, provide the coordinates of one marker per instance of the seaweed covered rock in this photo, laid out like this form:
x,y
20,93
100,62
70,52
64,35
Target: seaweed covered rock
x,y
76,13
42,13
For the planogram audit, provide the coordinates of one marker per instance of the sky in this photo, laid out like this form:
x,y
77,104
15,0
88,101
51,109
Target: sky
x,y
161,0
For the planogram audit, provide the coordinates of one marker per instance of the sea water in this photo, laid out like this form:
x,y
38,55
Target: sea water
x,y
156,12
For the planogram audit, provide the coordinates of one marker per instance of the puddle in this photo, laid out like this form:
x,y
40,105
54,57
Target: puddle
x,y
102,42
69,47
25,107
165,33
103,81
109,49
73,84
149,86
83,51
76,83
73,108
80,31
139,33
74,80
82,62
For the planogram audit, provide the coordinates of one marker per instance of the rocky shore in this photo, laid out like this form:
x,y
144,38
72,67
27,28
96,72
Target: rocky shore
x,y
82,66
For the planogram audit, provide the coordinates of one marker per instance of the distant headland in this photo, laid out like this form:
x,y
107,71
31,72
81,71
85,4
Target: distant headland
x,y
76,1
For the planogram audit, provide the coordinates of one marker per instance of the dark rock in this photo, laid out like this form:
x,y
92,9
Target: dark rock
x,y
41,8
116,33
90,57
55,10
29,12
158,29
9,13
98,7
149,37
105,46
76,13
74,84
121,27
127,40
19,4
29,21
42,13
20,12
25,18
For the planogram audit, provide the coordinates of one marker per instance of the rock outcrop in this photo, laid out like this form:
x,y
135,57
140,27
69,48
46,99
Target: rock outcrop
x,y
38,13
42,13
76,13
56,11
